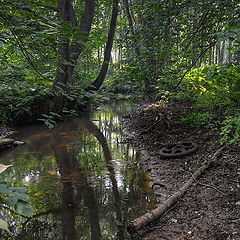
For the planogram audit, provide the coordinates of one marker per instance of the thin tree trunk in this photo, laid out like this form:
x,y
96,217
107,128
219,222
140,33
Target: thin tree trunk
x,y
98,54
107,54
222,51
230,51
195,27
84,27
210,57
217,53
213,54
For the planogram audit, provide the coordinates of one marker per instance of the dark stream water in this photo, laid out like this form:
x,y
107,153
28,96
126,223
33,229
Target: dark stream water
x,y
84,180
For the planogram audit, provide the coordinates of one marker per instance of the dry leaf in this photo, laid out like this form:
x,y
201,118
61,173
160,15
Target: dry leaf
x,y
4,167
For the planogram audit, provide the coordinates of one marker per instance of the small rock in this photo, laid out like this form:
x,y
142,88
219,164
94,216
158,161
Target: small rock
x,y
174,220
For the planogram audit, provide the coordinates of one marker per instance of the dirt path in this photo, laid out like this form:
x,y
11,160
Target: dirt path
x,y
211,207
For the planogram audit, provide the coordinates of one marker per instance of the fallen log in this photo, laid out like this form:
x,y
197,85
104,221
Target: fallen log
x,y
151,216
9,142
6,141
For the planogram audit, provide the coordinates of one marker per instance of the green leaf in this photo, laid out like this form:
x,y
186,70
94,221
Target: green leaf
x,y
13,198
24,208
3,182
4,225
49,125
18,189
55,114
4,188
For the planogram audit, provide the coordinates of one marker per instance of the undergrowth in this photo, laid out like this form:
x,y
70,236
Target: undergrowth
x,y
214,87
17,98
22,99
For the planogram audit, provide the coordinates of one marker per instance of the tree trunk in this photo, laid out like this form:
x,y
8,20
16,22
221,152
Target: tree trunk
x,y
213,54
210,57
217,53
84,27
62,74
230,51
222,53
68,55
107,54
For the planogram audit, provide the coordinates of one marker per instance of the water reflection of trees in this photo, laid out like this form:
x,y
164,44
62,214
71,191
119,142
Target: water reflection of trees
x,y
93,129
97,191
68,167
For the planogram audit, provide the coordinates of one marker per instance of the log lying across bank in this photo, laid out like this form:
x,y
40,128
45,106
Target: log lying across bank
x,y
151,216
9,142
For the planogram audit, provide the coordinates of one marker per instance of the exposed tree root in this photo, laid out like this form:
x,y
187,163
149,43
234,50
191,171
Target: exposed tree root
x,y
151,216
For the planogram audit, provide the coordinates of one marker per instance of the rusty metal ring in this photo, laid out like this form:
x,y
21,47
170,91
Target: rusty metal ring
x,y
178,150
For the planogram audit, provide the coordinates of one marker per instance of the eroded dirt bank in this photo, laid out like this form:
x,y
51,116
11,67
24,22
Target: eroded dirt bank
x,y
211,207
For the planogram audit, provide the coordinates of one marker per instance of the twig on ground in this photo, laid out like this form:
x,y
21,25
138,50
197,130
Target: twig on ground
x,y
210,186
146,130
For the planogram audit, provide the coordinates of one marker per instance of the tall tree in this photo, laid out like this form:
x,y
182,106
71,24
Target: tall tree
x,y
68,52
107,53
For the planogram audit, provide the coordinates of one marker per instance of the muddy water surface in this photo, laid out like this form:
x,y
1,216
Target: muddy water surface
x,y
83,178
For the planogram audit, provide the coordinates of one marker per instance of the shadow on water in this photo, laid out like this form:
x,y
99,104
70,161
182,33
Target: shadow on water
x,y
83,178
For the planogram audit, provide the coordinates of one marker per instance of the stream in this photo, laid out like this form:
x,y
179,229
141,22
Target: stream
x,y
83,178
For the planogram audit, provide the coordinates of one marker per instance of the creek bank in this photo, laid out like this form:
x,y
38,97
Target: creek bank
x,y
210,209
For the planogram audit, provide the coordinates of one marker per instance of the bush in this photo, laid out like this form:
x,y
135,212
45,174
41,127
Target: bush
x,y
230,129
17,98
198,119
213,86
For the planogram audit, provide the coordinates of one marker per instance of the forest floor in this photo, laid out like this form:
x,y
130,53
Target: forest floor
x,y
211,207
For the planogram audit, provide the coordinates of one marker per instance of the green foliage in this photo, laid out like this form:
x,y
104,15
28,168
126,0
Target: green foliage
x,y
230,130
125,79
74,93
170,39
4,225
14,197
18,97
50,119
149,55
197,119
215,86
